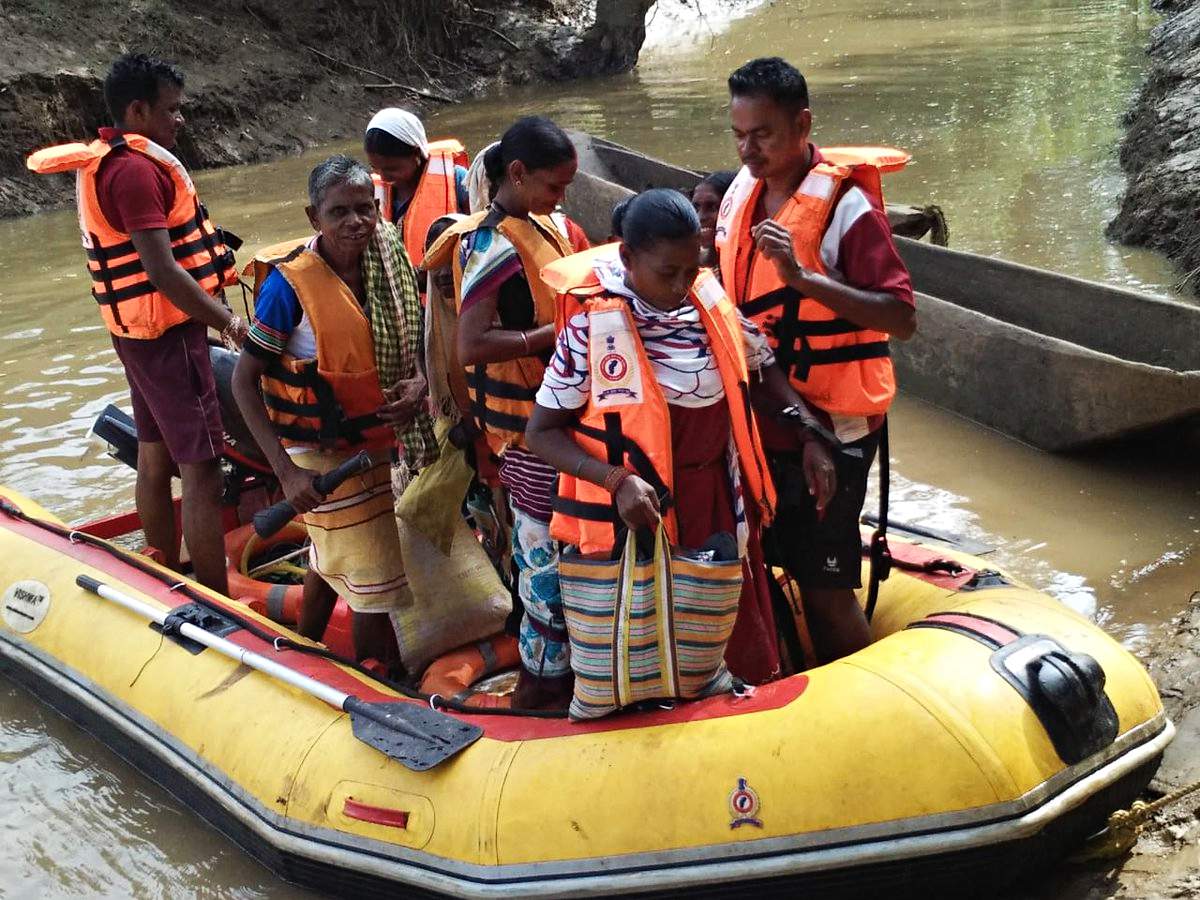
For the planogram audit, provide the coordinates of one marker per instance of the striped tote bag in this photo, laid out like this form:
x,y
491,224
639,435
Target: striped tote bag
x,y
647,629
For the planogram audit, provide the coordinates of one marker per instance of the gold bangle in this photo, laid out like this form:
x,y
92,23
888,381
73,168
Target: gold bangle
x,y
525,338
615,478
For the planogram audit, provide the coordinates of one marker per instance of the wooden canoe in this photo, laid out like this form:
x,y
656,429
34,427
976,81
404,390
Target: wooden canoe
x,y
1055,361
608,173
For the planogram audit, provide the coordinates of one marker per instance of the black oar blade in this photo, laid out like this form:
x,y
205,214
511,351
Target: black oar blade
x,y
416,736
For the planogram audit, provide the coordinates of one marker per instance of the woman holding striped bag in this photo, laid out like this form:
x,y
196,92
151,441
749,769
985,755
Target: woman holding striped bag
x,y
645,412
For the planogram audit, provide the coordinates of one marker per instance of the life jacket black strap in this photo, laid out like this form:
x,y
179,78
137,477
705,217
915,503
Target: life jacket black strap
x,y
135,267
109,297
806,357
106,280
616,448
769,301
504,390
333,426
352,431
98,253
581,509
477,378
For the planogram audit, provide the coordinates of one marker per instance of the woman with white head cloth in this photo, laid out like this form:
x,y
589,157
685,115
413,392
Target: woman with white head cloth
x,y
416,181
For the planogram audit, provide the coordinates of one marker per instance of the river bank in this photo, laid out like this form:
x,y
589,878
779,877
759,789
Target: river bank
x,y
1161,149
267,79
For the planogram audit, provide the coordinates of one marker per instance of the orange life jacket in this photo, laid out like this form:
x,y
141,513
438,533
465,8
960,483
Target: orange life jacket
x,y
502,393
329,402
435,196
130,304
833,363
627,421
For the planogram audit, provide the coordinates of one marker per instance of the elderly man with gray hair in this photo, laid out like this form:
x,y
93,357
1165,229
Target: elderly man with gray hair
x,y
333,365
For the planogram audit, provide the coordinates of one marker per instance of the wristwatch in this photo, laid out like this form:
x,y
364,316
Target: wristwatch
x,y
810,429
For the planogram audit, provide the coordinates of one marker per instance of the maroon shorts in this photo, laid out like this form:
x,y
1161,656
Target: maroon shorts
x,y
173,392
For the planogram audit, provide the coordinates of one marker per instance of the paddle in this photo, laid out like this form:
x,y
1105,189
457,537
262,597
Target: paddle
x,y
410,733
268,521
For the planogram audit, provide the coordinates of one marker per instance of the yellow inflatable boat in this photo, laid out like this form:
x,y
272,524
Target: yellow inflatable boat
x,y
987,727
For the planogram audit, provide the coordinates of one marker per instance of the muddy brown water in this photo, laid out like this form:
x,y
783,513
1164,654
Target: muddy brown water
x,y
1012,112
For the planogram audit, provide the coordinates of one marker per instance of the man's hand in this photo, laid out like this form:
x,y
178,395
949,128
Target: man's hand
x,y
297,484
637,504
404,401
819,473
775,243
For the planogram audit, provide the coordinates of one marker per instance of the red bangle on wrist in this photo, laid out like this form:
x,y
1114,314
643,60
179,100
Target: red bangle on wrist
x,y
615,478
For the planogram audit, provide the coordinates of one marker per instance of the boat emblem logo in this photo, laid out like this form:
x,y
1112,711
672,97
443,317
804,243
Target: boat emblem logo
x,y
744,806
25,605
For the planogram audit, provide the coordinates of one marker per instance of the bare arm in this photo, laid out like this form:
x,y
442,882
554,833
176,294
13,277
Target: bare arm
x,y
546,435
771,395
480,340
154,248
876,310
295,481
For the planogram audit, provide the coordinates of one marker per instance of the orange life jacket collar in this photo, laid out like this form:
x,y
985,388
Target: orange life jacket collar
x,y
329,402
626,420
832,362
436,195
130,305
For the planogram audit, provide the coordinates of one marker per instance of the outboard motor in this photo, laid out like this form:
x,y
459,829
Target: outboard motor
x,y
118,430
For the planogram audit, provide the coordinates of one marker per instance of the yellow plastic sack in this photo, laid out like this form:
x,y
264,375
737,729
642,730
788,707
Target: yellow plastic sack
x,y
457,596
432,503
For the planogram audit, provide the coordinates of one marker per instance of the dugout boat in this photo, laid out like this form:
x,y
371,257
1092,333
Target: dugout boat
x,y
985,729
1013,347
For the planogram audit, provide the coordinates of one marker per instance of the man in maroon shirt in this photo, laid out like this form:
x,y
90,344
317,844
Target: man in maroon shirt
x,y
864,288
170,377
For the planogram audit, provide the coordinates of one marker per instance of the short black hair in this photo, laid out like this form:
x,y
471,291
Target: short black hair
x,y
659,214
384,143
773,77
137,76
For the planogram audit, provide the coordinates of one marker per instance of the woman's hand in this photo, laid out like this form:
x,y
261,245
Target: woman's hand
x,y
404,401
297,484
819,473
637,504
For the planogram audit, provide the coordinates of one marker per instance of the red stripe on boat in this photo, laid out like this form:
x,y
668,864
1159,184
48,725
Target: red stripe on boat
x,y
993,631
377,815
497,727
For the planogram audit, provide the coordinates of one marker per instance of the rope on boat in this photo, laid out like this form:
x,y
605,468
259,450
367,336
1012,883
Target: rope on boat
x,y
1125,826
939,231
279,642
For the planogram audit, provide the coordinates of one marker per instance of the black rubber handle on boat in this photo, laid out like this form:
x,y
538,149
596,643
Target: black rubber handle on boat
x,y
88,583
270,520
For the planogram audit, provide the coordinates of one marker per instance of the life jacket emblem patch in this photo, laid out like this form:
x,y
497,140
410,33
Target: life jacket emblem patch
x,y
744,806
615,374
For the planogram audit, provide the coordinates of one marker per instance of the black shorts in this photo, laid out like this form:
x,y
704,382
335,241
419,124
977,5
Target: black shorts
x,y
825,553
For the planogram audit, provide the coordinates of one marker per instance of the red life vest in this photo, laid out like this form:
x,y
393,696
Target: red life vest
x,y
130,304
833,363
626,420
436,195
